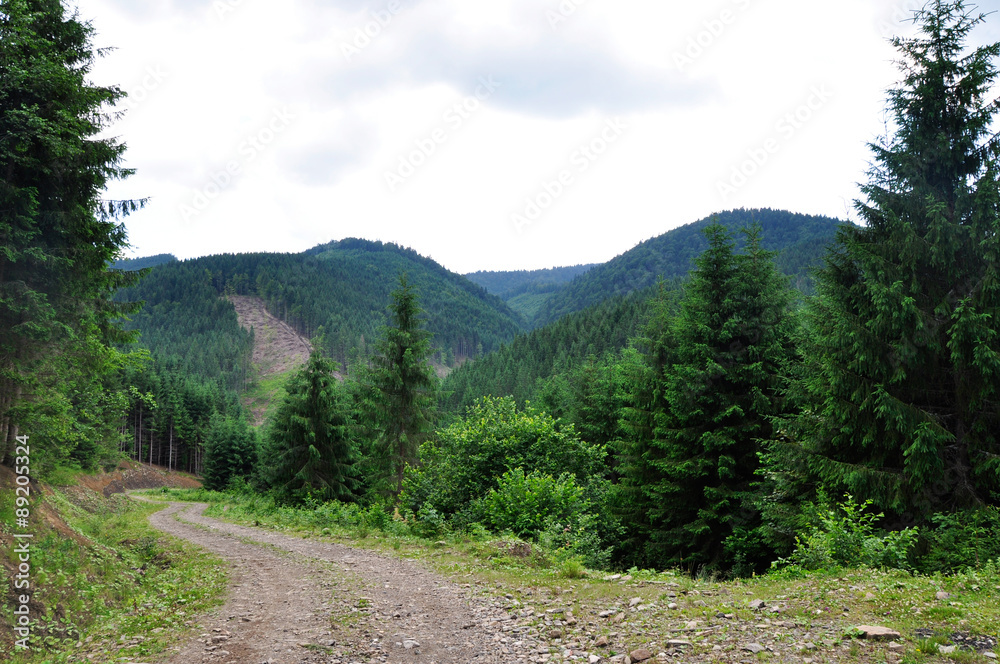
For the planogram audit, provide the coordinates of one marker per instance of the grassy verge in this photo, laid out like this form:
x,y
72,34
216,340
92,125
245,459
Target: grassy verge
x,y
105,586
805,617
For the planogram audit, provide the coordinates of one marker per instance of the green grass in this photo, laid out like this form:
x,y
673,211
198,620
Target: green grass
x,y
268,392
114,588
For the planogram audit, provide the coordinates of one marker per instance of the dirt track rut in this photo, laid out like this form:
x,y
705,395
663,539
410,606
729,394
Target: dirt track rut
x,y
296,600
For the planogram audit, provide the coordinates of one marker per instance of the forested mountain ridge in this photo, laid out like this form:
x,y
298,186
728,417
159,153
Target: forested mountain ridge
x,y
337,291
526,291
799,239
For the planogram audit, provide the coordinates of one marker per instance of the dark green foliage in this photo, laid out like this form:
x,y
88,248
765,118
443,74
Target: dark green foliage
x,y
508,284
903,376
467,458
308,450
517,368
188,327
959,540
527,291
799,239
135,264
230,452
715,377
398,391
58,369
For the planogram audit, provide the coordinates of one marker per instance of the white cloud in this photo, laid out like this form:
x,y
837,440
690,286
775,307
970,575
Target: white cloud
x,y
208,77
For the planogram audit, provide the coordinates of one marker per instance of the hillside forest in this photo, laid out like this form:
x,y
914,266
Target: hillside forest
x,y
757,390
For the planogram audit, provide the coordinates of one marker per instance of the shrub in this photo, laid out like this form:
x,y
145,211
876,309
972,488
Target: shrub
x,y
846,537
961,540
525,504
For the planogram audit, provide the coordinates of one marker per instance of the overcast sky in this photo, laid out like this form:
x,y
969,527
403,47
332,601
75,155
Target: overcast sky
x,y
499,134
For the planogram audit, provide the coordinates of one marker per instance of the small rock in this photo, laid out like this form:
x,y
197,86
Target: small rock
x,y
640,655
942,595
896,647
990,654
878,633
593,659
757,604
869,596
410,644
947,650
672,605
601,642
605,614
678,643
555,634
754,648
635,601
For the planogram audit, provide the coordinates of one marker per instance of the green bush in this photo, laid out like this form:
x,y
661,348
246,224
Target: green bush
x,y
525,504
466,460
846,537
961,540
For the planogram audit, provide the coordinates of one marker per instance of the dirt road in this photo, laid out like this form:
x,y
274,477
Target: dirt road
x,y
305,601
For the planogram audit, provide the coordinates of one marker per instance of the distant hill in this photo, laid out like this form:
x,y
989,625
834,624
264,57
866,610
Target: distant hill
x,y
800,239
526,291
134,264
338,290
515,368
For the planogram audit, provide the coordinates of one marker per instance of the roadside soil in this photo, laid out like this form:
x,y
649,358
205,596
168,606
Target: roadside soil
x,y
298,600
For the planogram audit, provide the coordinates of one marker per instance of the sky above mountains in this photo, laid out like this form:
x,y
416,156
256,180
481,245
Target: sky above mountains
x,y
510,134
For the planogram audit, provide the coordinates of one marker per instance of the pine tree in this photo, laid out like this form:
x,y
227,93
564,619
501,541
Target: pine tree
x,y
906,366
308,449
719,376
230,452
398,391
57,323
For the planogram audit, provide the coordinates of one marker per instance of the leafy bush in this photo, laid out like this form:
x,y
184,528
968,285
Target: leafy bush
x,y
846,537
525,504
469,457
962,540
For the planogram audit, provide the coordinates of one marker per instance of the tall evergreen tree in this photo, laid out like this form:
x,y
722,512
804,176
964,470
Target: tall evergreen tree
x,y
57,235
906,364
308,449
399,391
718,376
230,452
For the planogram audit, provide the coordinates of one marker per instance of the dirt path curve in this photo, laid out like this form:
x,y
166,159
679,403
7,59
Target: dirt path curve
x,y
297,600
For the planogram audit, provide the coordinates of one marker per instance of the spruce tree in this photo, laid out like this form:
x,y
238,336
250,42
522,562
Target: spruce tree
x,y
906,365
58,325
720,378
230,452
308,449
398,392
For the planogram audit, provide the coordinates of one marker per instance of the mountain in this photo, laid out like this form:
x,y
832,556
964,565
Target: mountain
x,y
515,368
337,292
133,264
799,239
525,291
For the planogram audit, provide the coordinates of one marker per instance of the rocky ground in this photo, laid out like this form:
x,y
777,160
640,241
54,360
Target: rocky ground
x,y
307,600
